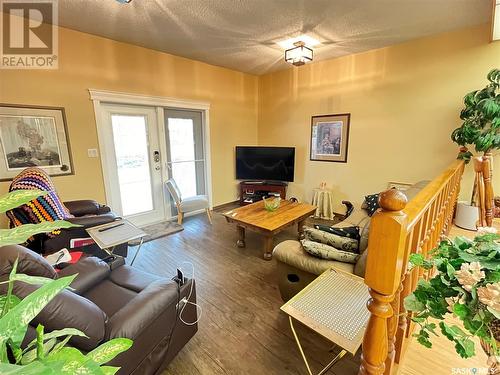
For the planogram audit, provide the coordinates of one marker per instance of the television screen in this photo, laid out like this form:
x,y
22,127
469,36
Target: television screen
x,y
265,163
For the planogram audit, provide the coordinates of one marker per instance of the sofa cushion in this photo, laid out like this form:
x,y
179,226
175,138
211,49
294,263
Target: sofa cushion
x,y
198,202
356,218
292,253
324,251
360,267
349,232
338,242
371,204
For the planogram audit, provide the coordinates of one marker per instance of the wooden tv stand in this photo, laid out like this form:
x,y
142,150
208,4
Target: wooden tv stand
x,y
255,191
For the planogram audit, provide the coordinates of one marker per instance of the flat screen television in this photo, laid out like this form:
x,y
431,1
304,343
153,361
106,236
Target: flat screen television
x,y
265,163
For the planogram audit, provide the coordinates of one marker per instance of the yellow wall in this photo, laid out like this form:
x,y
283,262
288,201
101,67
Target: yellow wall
x,y
87,61
404,102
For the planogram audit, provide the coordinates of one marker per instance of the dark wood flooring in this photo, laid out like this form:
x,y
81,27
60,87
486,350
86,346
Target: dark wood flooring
x,y
242,330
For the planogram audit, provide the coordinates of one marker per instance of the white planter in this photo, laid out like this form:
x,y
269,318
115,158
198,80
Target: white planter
x,y
466,216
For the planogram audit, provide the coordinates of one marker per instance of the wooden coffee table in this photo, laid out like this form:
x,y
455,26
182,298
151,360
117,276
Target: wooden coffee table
x,y
256,218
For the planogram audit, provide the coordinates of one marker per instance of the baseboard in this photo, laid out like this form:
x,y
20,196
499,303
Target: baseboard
x,y
225,206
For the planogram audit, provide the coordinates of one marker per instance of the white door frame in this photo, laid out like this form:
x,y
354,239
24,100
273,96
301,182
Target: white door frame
x,y
99,97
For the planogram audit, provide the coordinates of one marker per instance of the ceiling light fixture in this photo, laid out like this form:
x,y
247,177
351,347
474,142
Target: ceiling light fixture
x,y
298,55
124,1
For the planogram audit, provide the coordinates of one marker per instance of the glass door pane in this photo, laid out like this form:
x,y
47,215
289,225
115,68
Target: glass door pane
x,y
132,158
185,151
182,155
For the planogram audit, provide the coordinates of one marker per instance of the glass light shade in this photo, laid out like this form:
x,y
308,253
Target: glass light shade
x,y
298,55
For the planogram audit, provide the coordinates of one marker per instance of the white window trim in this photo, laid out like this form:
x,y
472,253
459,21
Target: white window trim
x,y
160,103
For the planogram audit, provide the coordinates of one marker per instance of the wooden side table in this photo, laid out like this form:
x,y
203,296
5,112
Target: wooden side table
x,y
323,200
333,305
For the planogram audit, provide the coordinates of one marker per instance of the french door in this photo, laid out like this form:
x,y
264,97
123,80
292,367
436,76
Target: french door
x,y
186,151
133,163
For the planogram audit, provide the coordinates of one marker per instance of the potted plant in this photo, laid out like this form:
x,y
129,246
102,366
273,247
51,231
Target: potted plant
x,y
466,283
48,353
481,128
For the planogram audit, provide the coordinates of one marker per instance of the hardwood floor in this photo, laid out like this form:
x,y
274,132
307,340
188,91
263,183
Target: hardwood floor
x,y
242,330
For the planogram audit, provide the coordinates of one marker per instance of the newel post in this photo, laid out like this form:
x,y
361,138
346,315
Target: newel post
x,y
386,246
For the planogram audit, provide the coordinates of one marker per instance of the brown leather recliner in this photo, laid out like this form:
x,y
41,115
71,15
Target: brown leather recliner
x,y
109,302
87,213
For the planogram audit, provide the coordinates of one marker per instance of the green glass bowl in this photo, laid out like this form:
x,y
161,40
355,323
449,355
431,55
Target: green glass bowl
x,y
271,205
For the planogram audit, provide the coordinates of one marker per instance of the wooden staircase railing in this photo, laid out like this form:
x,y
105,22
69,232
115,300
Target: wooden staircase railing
x,y
397,230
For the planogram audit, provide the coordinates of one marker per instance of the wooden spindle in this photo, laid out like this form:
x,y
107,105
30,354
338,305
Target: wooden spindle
x,y
489,203
383,277
479,189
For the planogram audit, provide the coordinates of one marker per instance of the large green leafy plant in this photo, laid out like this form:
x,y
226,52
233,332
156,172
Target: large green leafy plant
x,y
466,283
48,353
481,118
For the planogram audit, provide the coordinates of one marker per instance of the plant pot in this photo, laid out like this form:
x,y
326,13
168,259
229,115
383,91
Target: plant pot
x,y
466,216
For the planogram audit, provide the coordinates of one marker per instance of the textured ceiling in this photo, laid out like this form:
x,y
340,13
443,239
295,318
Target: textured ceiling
x,y
242,35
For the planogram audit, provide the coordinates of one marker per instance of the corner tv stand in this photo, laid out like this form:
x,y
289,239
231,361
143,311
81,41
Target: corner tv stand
x,y
254,191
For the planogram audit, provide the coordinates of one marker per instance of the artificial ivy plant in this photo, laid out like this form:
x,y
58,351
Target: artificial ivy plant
x,y
466,283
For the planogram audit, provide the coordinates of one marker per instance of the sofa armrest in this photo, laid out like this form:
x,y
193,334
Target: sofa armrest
x,y
92,221
69,310
90,271
158,298
86,207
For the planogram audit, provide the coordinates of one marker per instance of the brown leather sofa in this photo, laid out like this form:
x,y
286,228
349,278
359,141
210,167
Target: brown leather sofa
x,y
108,301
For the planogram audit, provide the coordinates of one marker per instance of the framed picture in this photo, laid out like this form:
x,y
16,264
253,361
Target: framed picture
x,y
330,137
33,136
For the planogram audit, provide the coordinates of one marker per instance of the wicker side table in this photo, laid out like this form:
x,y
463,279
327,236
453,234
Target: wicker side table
x,y
334,306
323,200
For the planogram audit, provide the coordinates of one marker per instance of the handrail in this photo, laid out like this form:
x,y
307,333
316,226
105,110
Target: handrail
x,y
398,229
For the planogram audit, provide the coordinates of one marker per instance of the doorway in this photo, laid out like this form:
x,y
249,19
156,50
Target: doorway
x,y
144,141
185,143
134,164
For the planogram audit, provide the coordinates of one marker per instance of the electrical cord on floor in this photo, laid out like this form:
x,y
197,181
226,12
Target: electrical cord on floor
x,y
187,301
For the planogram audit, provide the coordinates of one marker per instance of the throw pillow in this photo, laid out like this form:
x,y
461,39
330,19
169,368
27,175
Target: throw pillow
x,y
338,242
371,204
323,251
349,232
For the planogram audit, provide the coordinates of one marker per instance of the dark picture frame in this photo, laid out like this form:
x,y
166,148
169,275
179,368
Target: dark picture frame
x,y
34,136
330,137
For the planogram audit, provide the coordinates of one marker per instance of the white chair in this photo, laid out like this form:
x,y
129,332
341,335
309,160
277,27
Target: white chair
x,y
198,202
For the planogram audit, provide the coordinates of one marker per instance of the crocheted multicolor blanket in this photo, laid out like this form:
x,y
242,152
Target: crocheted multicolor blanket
x,y
45,208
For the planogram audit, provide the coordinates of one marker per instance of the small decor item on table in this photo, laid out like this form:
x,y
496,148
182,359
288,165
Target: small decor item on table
x,y
32,136
323,200
330,137
467,284
271,205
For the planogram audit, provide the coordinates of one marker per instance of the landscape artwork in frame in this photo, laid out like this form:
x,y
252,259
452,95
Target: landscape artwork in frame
x,y
33,137
330,137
